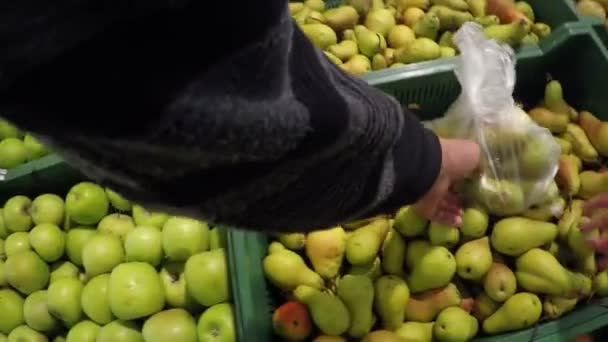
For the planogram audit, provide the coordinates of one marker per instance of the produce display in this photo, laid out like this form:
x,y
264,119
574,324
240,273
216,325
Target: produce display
x,y
402,278
17,147
94,267
594,8
365,35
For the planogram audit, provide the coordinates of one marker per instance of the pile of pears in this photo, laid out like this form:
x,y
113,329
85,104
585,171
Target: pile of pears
x,y
403,278
365,35
594,8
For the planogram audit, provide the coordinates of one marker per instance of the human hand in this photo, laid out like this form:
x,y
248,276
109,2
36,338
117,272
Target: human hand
x,y
459,159
595,216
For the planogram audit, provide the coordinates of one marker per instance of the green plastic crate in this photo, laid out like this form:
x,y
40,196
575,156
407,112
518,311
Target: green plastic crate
x,y
574,55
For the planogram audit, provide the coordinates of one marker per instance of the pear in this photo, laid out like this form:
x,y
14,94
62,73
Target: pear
x,y
349,34
380,20
546,211
372,270
447,52
591,8
382,336
295,7
315,17
484,306
391,297
341,18
596,130
301,16
450,19
425,307
422,49
293,241
567,177
389,56
397,65
409,223
422,4
379,62
427,26
365,243
287,270
275,246
357,293
328,312
600,284
475,222
500,197
399,36
477,7
530,39
555,307
370,42
393,253
474,259
538,159
447,40
593,183
442,235
320,34
487,20
514,236
583,252
328,338
499,283
354,225
455,324
315,5
525,8
565,145
411,16
357,65
434,269
325,250
511,33
333,58
555,122
415,331
520,311
459,5
542,30
362,6
415,251
344,50
554,100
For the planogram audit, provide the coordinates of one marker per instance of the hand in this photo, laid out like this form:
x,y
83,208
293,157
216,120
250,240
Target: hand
x,y
595,216
459,159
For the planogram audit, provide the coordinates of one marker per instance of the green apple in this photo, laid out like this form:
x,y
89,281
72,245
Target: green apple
x,y
16,243
207,277
36,313
120,331
12,153
2,252
216,324
174,284
3,338
11,310
63,300
25,333
16,214
102,253
48,241
86,203
26,272
217,238
62,269
4,232
95,303
184,237
170,325
59,338
144,217
3,282
34,148
75,240
118,202
135,291
144,244
48,208
83,331
117,224
8,130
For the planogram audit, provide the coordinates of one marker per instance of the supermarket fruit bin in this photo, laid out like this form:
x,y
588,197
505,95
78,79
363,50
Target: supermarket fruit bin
x,y
574,55
598,24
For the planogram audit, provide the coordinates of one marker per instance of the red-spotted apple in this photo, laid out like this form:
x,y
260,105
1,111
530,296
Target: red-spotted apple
x,y
117,224
83,331
144,244
94,300
143,217
207,277
11,310
216,324
118,201
16,243
26,272
63,300
184,237
102,253
36,313
35,149
174,284
48,208
48,241
25,333
135,291
12,153
16,214
86,203
75,240
120,331
170,325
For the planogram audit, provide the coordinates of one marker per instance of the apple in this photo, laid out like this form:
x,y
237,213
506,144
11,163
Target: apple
x,y
48,241
16,214
207,277
83,331
94,300
184,237
8,130
117,224
86,203
3,230
144,244
2,276
75,240
118,201
26,272
217,238
25,333
63,300
59,338
11,310
216,324
16,243
102,253
36,313
174,284
12,153
120,331
144,217
2,252
62,269
3,338
170,325
135,291
48,208
34,148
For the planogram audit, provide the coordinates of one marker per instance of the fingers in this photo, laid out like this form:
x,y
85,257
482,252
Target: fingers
x,y
602,262
597,202
600,222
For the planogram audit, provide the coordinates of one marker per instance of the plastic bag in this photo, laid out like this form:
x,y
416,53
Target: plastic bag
x,y
519,158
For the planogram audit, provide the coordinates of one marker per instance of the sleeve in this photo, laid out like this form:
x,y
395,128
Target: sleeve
x,y
261,132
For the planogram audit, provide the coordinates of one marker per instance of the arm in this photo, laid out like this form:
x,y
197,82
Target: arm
x,y
260,132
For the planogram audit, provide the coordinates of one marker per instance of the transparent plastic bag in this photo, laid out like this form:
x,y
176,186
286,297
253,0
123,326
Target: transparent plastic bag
x,y
519,158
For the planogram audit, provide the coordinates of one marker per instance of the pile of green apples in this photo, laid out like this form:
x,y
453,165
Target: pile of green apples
x,y
17,147
594,8
365,35
402,278
95,267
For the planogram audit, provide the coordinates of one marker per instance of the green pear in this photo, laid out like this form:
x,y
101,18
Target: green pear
x,y
554,99
593,183
555,307
477,7
459,5
361,6
447,52
380,20
455,324
520,311
391,297
349,34
370,42
379,62
293,241
287,270
341,18
499,197
357,293
447,40
600,284
320,34
511,33
525,8
537,160
301,16
546,211
416,331
542,30
295,7
581,145
421,50
474,259
424,307
393,253
565,145
357,66
400,36
434,269
364,243
275,246
514,236
382,336
325,250
328,312
530,39
316,5
315,17
583,252
484,306
415,250
500,282
427,27
442,235
487,20
333,58
450,19
475,222
344,50
409,223
372,270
